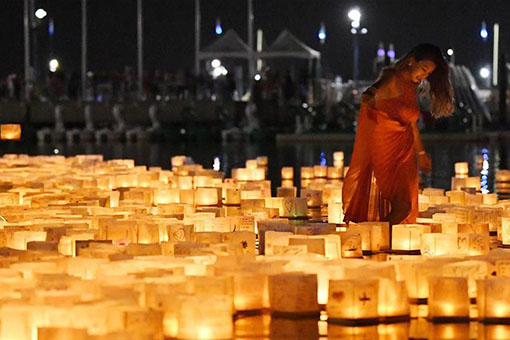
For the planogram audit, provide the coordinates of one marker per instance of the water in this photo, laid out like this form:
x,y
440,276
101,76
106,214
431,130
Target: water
x,y
233,155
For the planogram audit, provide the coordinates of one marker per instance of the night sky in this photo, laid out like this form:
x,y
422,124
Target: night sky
x,y
169,29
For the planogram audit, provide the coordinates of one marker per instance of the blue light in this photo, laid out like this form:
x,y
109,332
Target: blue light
x,y
323,162
391,54
484,174
483,31
381,52
51,28
219,29
322,35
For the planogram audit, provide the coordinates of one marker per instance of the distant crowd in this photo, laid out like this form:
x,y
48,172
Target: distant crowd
x,y
121,86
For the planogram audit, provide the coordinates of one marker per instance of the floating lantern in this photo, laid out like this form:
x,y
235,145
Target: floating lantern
x,y
166,196
286,191
10,131
353,301
335,213
195,322
435,244
334,172
251,164
319,171
393,300
374,235
493,300
262,161
461,169
313,197
307,172
293,294
287,183
351,244
338,159
232,196
207,196
448,299
287,172
407,237
294,207
250,292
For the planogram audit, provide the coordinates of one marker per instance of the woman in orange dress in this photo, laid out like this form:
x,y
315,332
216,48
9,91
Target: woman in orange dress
x,y
382,181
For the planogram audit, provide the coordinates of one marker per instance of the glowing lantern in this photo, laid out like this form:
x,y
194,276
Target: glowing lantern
x,y
407,237
448,298
250,292
319,171
293,294
338,159
393,299
351,244
262,161
307,172
353,301
294,207
10,131
457,197
195,322
313,197
207,196
178,161
286,192
505,230
493,299
166,196
251,164
334,173
461,169
335,212
374,235
232,196
435,244
287,183
287,172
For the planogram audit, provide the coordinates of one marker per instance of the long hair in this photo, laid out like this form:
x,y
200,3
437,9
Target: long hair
x,y
441,90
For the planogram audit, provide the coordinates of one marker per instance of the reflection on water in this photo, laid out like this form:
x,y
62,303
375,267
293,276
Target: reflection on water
x,y
263,327
234,155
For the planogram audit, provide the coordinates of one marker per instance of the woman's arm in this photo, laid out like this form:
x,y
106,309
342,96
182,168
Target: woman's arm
x,y
423,159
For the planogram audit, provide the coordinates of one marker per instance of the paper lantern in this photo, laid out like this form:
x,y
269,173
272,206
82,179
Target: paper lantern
x,y
335,213
205,317
10,131
293,294
374,236
493,299
505,230
273,239
207,196
467,182
493,332
232,196
334,172
338,159
448,298
307,172
457,197
250,292
353,301
434,244
262,161
294,207
251,164
166,196
393,300
461,169
286,191
407,237
473,244
287,172
287,183
313,197
319,171
351,244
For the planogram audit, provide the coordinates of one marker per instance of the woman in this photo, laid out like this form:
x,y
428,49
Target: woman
x,y
383,172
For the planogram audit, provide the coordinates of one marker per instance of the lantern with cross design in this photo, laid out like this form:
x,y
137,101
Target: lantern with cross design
x,y
353,301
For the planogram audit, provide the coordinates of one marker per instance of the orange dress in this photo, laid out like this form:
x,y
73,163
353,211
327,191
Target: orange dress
x,y
383,165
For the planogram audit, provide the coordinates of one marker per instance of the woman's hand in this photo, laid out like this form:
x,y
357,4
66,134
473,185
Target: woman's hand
x,y
425,162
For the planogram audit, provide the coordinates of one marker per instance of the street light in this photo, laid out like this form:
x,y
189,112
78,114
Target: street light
x,y
355,16
40,13
322,33
54,64
484,72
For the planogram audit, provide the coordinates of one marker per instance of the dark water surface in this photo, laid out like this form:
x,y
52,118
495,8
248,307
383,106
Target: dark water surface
x,y
233,155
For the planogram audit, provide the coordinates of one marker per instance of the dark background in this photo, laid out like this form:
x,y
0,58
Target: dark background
x,y
169,29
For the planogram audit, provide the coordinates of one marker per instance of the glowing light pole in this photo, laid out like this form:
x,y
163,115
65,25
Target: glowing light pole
x,y
355,17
